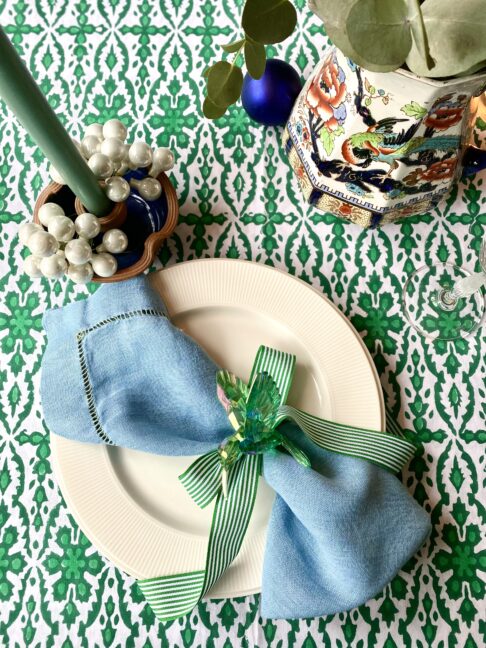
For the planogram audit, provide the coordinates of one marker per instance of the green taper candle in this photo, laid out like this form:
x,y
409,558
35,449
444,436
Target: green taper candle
x,y
22,95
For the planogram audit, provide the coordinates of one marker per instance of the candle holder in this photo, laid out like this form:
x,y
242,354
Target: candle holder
x,y
147,223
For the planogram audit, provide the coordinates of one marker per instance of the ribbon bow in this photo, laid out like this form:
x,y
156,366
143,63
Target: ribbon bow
x,y
231,473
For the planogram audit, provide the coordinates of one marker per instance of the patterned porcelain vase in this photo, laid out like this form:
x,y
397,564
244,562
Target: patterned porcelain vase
x,y
374,147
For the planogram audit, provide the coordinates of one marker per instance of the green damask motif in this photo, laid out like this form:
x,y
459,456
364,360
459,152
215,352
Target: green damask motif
x,y
238,199
18,320
73,561
12,562
462,560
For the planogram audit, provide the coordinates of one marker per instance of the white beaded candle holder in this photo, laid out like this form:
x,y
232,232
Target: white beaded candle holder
x,y
57,193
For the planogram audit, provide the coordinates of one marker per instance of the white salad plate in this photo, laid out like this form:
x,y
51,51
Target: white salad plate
x,y
130,504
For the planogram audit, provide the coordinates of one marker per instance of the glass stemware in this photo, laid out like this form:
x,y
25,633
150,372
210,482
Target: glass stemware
x,y
445,302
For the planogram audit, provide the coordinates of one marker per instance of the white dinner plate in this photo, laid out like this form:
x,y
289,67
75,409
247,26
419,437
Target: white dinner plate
x,y
130,504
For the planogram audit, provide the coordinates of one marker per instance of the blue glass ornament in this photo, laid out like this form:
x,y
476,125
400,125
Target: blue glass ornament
x,y
270,99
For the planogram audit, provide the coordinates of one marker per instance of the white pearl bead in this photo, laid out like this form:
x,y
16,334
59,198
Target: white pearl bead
x,y
47,211
162,160
42,244
62,228
90,145
87,225
115,241
53,267
100,248
114,128
31,266
113,148
94,129
55,175
78,251
26,230
140,154
101,165
117,189
123,168
148,188
81,273
104,264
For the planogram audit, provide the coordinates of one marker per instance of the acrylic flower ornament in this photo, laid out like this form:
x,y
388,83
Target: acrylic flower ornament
x,y
253,413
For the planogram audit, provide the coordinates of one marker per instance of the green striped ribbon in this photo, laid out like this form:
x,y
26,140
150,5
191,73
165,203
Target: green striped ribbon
x,y
176,595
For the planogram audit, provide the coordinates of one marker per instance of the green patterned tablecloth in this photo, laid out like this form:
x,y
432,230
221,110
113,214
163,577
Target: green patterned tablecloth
x,y
143,61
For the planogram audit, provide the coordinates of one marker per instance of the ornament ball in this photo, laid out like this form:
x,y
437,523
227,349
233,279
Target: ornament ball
x,y
270,99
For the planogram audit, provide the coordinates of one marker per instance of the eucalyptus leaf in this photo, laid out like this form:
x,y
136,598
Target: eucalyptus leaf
x,y
269,21
419,34
456,35
224,83
334,15
212,110
255,58
231,48
379,31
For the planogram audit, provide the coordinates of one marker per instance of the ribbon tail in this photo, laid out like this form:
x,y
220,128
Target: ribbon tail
x,y
202,480
171,597
174,596
389,451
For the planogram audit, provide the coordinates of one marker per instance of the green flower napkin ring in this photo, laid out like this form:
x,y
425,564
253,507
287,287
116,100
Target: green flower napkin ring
x,y
231,473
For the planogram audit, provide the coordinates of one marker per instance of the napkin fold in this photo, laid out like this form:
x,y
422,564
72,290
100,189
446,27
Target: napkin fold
x,y
116,371
337,533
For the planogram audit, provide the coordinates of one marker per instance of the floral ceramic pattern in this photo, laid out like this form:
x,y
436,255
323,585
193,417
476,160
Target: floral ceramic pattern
x,y
382,156
239,199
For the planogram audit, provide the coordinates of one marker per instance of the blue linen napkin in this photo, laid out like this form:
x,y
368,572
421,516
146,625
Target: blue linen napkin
x,y
117,371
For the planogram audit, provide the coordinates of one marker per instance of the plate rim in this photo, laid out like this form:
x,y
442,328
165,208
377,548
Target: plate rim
x,y
98,544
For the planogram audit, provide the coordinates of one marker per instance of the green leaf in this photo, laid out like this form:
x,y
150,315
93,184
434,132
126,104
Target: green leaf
x,y
212,110
255,58
480,124
334,15
231,48
298,454
419,32
327,139
379,31
269,21
232,393
224,83
456,33
262,405
414,109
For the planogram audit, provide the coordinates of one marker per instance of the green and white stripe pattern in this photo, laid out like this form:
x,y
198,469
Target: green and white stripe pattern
x,y
173,596
176,595
385,450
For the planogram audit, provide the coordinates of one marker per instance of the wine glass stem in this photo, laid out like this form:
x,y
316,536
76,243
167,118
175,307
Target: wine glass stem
x,y
447,299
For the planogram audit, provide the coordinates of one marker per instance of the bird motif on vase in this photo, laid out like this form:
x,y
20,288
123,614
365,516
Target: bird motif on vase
x,y
380,143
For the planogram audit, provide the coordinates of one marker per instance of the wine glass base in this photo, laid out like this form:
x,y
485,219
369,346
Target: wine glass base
x,y
431,308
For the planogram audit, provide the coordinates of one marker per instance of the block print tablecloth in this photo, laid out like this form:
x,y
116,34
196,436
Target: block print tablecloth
x,y
143,61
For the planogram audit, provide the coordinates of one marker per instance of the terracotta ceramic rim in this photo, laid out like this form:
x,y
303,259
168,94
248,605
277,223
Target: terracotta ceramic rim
x,y
152,243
